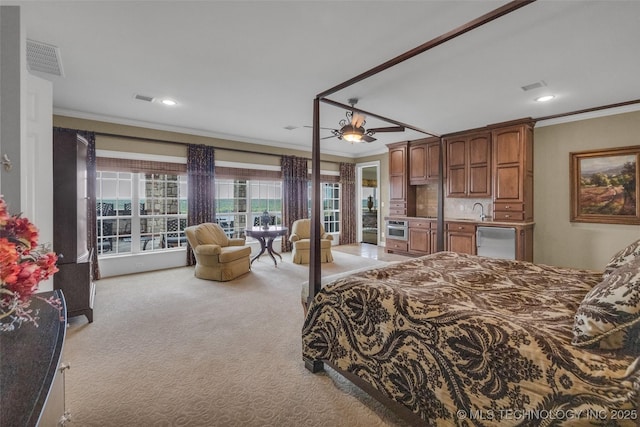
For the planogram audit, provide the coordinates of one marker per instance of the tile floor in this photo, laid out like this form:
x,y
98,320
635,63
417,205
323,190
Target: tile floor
x,y
369,251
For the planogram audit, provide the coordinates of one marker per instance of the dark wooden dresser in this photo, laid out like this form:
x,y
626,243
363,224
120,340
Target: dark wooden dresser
x,y
31,375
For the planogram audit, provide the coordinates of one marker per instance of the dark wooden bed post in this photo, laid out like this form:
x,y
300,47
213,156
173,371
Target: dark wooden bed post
x,y
315,272
440,214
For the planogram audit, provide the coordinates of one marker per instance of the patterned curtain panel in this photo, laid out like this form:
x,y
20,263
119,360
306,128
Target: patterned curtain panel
x,y
295,193
92,235
348,203
201,189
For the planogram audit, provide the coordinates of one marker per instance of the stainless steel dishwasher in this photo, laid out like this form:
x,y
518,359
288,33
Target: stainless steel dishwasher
x,y
496,242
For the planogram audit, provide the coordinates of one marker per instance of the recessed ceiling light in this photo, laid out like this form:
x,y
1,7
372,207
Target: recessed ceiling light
x,y
169,102
544,98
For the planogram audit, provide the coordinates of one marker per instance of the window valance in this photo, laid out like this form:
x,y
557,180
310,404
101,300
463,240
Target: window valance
x,y
140,166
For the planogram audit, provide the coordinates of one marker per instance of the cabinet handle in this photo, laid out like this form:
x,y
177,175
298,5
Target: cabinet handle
x,y
508,207
507,216
460,228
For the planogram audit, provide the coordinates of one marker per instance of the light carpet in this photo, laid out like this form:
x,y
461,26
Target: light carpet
x,y
168,349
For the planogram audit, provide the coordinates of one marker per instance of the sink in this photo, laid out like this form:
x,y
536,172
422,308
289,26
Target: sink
x,y
487,219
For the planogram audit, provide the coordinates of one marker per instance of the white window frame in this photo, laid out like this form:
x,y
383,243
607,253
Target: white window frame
x,y
243,219
156,237
328,227
331,216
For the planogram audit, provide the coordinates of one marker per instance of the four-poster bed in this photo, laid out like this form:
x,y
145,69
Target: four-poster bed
x,y
447,337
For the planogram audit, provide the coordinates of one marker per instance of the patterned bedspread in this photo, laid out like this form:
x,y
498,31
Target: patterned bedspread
x,y
467,340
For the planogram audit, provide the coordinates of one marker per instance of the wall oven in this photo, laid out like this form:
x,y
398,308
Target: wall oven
x,y
397,229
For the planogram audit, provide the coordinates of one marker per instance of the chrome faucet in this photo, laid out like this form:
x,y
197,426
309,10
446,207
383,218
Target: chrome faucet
x,y
482,215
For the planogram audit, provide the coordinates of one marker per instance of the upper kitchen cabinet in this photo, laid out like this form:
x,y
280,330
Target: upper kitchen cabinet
x,y
468,165
513,172
424,157
401,195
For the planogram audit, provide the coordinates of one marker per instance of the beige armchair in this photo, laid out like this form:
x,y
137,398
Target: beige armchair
x,y
300,238
217,256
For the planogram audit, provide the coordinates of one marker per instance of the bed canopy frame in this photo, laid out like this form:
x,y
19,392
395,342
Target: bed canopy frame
x,y
314,264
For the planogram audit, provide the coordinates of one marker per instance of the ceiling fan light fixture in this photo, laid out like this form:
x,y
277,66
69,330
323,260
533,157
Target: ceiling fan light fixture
x,y
351,133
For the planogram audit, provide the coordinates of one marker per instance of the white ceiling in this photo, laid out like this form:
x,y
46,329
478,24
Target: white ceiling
x,y
245,70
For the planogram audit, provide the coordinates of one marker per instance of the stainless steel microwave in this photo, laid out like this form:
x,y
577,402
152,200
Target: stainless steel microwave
x,y
397,229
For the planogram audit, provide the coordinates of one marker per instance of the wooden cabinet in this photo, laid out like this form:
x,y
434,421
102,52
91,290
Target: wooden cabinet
x,y
393,245
70,213
524,243
401,194
461,237
422,237
456,167
468,165
513,173
74,278
424,157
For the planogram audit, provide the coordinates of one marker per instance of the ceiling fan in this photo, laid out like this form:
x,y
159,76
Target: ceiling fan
x,y
352,128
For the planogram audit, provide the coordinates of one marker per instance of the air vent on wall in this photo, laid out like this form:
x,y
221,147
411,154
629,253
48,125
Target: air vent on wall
x,y
535,85
44,58
144,98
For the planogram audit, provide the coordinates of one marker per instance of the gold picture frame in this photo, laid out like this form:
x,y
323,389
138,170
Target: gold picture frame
x,y
604,185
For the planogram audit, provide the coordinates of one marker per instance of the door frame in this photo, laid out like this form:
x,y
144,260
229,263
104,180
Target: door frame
x,y
359,208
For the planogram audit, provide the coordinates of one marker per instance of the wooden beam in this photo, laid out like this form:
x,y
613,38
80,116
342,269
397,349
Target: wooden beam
x,y
588,110
370,114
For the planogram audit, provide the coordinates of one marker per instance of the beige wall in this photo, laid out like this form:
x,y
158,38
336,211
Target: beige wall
x,y
558,241
122,143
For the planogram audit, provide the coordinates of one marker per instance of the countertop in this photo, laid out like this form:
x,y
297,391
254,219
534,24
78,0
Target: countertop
x,y
486,222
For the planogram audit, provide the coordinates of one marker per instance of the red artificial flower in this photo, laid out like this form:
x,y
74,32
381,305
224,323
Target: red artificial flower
x,y
22,267
47,262
28,279
23,230
4,213
9,268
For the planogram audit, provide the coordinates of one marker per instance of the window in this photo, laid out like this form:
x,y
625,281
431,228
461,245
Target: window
x,y
156,223
330,198
241,202
330,206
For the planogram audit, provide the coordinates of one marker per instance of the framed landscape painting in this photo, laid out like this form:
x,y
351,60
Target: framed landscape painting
x,y
604,186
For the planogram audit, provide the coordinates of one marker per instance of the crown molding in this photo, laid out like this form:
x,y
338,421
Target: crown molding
x,y
196,132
